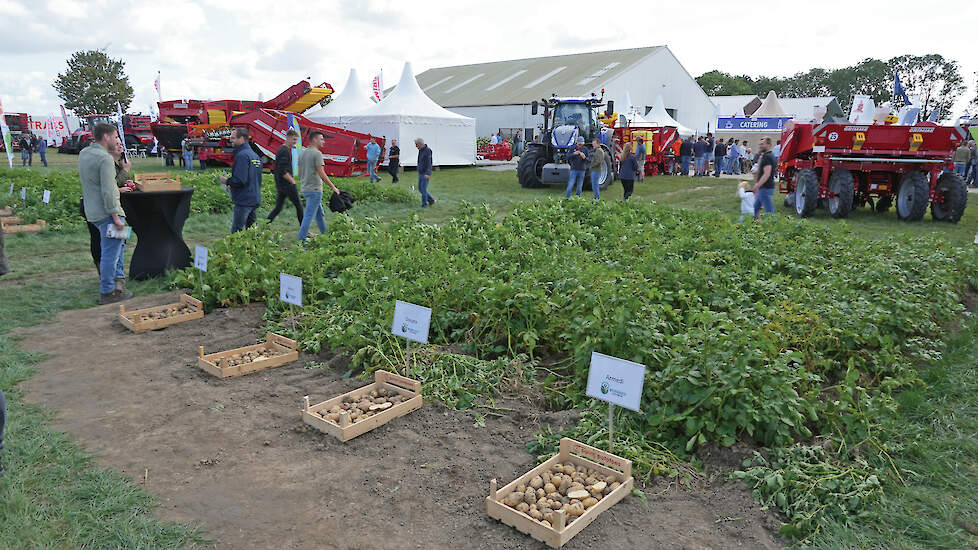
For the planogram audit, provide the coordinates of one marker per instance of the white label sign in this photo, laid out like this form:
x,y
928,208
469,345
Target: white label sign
x,y
411,321
616,381
23,193
200,257
290,289
46,198
11,189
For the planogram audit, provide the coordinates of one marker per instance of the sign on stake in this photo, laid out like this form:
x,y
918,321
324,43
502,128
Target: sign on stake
x,y
11,189
46,197
200,262
290,292
411,322
23,193
617,381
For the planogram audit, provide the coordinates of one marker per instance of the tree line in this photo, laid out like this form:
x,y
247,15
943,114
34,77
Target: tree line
x,y
936,82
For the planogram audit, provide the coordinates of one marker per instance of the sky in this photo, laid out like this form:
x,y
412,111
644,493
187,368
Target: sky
x,y
208,49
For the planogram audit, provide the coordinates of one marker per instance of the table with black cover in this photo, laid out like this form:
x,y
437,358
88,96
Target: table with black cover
x,y
157,218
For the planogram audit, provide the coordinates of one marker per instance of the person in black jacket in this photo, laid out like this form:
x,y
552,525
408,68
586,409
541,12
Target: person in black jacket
x,y
685,152
425,165
284,181
245,181
394,161
628,170
719,155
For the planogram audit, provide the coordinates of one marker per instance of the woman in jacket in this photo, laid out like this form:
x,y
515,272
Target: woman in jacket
x,y
627,170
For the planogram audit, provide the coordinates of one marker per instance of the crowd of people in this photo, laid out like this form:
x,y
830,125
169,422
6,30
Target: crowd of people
x,y
30,144
707,155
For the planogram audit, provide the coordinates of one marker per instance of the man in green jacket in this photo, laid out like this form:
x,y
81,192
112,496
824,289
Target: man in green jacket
x,y
96,168
597,166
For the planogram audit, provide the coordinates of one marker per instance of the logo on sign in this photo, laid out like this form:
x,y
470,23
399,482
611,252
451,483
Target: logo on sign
x,y
856,128
409,326
604,387
834,136
923,129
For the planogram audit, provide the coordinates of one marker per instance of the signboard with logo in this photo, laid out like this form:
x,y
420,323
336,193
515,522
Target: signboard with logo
x,y
616,381
290,289
743,124
200,258
411,321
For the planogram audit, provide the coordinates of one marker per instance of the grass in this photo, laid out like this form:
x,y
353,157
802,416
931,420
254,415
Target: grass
x,y
54,496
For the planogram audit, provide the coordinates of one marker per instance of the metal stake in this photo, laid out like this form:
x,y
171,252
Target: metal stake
x,y
611,427
295,334
407,360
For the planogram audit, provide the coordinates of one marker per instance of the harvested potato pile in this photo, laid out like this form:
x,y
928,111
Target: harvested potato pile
x,y
572,488
363,406
170,311
246,357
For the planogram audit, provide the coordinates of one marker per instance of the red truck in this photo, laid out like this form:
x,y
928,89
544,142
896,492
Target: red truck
x,y
843,166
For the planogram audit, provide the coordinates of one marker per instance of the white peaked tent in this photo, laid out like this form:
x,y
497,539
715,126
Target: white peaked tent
x,y
658,115
352,99
631,113
770,107
407,113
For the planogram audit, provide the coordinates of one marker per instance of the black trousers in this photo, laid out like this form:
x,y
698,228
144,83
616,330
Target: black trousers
x,y
283,192
393,168
628,186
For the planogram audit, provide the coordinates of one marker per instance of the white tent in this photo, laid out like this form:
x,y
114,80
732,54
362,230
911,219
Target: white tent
x,y
407,113
770,107
352,99
632,113
658,115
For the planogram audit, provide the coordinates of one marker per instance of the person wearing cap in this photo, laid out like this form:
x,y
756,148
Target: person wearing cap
x,y
577,160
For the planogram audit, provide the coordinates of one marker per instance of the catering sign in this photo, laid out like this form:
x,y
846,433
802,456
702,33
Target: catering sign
x,y
743,124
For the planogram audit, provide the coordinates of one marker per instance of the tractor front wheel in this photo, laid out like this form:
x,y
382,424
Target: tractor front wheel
x,y
953,193
806,193
841,185
530,168
913,196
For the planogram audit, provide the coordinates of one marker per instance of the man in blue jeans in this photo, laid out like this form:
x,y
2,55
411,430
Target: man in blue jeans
x,y
96,169
312,174
188,153
764,188
578,164
373,155
425,166
597,166
685,151
244,183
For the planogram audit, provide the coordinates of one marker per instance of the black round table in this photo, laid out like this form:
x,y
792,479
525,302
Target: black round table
x,y
157,218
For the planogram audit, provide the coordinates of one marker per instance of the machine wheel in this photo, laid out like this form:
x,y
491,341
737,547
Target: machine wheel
x,y
913,196
841,185
884,203
608,173
806,193
955,198
530,168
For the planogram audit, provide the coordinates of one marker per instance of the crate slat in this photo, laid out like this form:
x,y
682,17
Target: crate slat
x,y
382,380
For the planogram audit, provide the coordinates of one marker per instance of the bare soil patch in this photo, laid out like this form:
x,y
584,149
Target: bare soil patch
x,y
234,456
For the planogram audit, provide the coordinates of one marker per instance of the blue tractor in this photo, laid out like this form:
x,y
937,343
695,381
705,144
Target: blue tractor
x,y
565,119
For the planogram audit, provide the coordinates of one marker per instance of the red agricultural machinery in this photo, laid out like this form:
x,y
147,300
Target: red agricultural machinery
x,y
494,151
657,140
18,124
845,166
136,128
209,123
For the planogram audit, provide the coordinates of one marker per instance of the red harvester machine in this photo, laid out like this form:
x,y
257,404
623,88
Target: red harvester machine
x,y
209,125
497,151
18,124
657,140
845,166
136,127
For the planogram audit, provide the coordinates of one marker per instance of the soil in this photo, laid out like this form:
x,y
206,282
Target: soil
x,y
234,457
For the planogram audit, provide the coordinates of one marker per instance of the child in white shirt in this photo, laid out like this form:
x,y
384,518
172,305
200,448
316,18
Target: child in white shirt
x,y
746,194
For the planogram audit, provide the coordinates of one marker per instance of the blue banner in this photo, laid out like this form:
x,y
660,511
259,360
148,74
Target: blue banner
x,y
737,124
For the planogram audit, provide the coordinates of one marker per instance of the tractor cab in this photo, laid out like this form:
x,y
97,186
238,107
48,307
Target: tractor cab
x,y
565,121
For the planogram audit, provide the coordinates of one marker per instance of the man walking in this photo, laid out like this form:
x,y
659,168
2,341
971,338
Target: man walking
x,y
25,149
373,155
597,166
42,149
425,166
764,178
640,153
720,155
709,154
962,156
312,173
733,161
96,169
284,181
518,142
699,155
244,183
578,164
394,161
188,153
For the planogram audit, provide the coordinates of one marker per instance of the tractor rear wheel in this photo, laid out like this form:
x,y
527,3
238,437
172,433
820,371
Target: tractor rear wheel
x,y
806,192
530,168
954,198
913,196
841,185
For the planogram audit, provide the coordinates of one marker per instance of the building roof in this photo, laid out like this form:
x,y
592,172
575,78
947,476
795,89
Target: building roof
x,y
520,81
803,107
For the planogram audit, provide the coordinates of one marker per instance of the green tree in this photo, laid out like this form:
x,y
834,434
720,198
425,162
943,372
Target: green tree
x,y
935,81
93,83
872,77
720,83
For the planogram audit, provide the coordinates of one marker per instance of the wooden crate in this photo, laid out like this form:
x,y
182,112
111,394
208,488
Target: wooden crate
x,y
6,211
9,220
131,319
158,182
346,429
580,455
286,349
23,228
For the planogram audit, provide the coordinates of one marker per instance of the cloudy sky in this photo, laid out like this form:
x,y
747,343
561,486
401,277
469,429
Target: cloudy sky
x,y
209,49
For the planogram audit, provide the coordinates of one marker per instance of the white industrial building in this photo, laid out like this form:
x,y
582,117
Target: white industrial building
x,y
498,94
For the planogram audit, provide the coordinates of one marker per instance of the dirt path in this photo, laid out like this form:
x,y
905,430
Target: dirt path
x,y
233,455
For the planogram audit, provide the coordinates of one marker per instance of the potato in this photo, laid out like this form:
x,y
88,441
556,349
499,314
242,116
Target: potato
x,y
557,505
548,516
578,494
512,499
590,480
540,494
535,514
546,476
614,485
521,488
574,510
364,405
564,486
569,469
549,488
523,507
610,479
589,502
536,482
380,407
599,486
547,523
373,393
530,496
332,417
